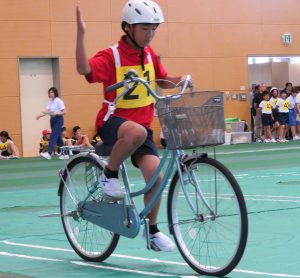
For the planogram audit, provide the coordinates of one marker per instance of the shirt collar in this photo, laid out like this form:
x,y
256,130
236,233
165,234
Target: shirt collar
x,y
128,49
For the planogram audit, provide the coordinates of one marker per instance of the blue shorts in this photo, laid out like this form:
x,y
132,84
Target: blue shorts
x,y
283,118
292,119
109,135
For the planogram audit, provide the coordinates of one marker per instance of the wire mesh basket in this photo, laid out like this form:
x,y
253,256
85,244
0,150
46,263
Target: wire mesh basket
x,y
196,119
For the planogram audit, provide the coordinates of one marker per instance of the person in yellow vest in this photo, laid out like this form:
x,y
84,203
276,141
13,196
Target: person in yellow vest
x,y
266,117
128,128
283,105
96,139
44,143
8,148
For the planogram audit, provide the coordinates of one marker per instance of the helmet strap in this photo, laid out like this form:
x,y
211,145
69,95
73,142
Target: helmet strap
x,y
132,39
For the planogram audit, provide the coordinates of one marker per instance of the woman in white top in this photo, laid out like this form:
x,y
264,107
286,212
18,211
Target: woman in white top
x,y
56,109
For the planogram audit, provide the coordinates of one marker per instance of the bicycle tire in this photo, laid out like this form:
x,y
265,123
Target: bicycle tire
x,y
89,241
211,243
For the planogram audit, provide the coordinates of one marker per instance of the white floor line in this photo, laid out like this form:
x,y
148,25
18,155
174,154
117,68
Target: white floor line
x,y
267,274
256,199
36,246
257,151
156,274
138,258
29,257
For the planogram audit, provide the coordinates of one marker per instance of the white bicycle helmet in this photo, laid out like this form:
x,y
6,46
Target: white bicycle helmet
x,y
142,11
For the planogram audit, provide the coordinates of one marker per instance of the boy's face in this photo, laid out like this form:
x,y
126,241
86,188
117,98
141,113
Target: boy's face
x,y
142,33
266,97
283,95
77,133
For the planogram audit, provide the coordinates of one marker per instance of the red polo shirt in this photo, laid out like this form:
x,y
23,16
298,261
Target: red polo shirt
x,y
103,70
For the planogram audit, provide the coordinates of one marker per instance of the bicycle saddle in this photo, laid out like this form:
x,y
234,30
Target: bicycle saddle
x,y
102,149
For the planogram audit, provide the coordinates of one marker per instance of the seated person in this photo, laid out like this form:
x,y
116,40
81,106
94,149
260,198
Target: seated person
x,y
67,141
8,148
96,139
44,143
79,139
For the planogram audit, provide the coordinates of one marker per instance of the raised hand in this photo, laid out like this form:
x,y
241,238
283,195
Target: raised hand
x,y
81,27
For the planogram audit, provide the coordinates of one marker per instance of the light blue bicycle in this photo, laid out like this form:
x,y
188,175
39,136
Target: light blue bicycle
x,y
206,209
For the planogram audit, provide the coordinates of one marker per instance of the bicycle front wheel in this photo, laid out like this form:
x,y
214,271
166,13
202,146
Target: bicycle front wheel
x,y
208,217
89,241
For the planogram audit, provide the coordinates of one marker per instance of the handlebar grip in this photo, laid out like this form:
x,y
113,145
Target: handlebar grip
x,y
114,87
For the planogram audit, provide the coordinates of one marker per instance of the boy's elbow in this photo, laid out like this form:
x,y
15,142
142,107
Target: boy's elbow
x,y
81,70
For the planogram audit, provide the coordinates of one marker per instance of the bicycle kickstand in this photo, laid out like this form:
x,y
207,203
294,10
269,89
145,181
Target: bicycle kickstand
x,y
147,232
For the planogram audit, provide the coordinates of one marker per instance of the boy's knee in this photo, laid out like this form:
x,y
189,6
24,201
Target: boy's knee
x,y
134,134
138,135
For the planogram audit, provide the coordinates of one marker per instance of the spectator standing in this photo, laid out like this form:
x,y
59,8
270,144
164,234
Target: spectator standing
x,y
292,114
288,88
297,109
56,110
273,101
266,117
257,112
283,105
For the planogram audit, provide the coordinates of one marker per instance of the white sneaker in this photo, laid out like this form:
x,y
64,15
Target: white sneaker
x,y
267,141
111,187
46,155
160,242
63,156
273,140
296,138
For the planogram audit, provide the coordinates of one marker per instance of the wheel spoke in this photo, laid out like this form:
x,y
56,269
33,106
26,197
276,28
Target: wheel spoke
x,y
213,240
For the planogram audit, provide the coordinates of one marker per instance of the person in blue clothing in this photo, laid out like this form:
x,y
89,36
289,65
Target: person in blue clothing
x,y
56,110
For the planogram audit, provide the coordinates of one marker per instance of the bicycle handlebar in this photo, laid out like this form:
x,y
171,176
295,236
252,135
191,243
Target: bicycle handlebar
x,y
131,76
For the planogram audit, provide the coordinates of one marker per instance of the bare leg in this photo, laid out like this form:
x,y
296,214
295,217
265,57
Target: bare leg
x,y
268,132
13,149
130,137
148,165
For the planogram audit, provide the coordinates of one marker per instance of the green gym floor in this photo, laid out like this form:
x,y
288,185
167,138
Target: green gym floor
x,y
30,246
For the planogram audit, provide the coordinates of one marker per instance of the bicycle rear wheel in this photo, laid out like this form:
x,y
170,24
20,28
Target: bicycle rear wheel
x,y
210,231
89,241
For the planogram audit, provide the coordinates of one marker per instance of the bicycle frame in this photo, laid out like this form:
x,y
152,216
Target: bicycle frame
x,y
131,218
125,213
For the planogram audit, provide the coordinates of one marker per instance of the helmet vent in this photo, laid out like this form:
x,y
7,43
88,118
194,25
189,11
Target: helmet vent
x,y
154,10
146,3
138,11
129,4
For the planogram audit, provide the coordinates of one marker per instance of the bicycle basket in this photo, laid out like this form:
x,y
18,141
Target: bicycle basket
x,y
196,119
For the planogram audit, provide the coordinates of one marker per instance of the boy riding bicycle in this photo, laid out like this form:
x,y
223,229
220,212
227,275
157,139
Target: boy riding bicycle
x,y
128,128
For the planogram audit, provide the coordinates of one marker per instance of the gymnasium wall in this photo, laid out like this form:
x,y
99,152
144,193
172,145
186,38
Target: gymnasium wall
x,y
209,39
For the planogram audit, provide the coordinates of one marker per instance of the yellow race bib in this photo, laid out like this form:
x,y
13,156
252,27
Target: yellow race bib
x,y
4,146
138,96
